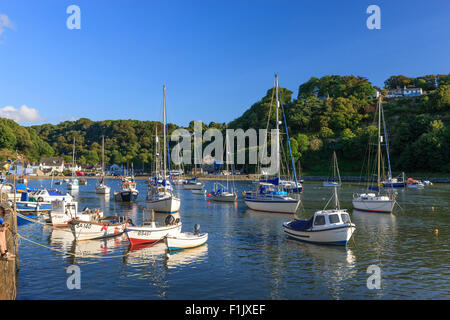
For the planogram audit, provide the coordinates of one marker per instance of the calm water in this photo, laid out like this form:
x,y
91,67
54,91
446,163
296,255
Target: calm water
x,y
247,255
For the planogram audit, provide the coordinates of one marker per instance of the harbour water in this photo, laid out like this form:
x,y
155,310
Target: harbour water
x,y
247,255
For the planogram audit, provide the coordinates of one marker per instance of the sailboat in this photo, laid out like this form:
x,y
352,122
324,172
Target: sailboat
x,y
332,226
101,188
161,197
220,192
376,202
73,184
335,180
267,196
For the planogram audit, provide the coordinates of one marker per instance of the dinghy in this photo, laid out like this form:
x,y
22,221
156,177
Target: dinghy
x,y
186,240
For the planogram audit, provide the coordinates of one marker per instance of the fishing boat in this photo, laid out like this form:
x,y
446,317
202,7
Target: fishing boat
x,y
102,228
268,196
335,179
377,202
101,187
161,197
63,211
150,231
332,226
186,240
128,191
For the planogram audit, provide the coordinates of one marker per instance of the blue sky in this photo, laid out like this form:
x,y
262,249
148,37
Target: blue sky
x,y
216,57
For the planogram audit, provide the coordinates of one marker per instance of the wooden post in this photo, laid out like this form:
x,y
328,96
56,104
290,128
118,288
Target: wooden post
x,y
9,268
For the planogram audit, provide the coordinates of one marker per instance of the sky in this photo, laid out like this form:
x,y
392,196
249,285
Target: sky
x,y
216,57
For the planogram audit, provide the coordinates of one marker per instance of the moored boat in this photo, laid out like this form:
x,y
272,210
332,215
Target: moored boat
x,y
185,240
102,228
64,211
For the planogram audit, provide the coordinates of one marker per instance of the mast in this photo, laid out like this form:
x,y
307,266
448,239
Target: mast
x,y
103,156
164,136
379,144
73,157
278,131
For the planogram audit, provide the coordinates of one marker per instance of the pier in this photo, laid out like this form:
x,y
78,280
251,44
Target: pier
x,y
9,269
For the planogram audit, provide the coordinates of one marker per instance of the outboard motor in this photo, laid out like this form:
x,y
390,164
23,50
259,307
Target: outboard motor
x,y
196,229
169,220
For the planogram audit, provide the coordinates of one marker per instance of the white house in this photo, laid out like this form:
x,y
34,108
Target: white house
x,y
404,93
47,165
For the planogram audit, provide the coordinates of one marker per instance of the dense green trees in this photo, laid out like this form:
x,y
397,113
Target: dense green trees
x,y
329,113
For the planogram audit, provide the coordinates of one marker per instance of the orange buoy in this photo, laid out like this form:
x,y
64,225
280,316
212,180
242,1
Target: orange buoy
x,y
436,231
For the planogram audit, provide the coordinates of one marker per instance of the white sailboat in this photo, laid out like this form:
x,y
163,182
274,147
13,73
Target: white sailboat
x,y
335,179
101,187
376,202
73,184
220,192
267,196
161,197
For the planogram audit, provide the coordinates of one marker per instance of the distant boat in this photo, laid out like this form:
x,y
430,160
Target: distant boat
x,y
73,184
335,179
193,184
221,194
415,184
186,240
101,187
128,191
83,182
394,182
48,195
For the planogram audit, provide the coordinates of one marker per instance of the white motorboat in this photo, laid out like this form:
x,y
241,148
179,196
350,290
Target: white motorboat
x,y
46,195
73,185
332,226
63,211
102,228
128,191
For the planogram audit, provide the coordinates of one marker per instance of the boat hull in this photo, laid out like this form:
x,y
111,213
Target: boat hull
x,y
141,235
84,230
273,205
376,206
333,236
223,198
127,196
102,189
167,205
185,241
189,186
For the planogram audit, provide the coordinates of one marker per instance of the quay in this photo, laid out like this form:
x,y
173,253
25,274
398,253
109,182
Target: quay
x,y
9,268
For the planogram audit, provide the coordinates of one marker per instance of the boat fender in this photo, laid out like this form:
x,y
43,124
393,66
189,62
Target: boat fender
x,y
196,229
169,220
130,222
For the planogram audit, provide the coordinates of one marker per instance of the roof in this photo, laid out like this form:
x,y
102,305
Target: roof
x,y
52,162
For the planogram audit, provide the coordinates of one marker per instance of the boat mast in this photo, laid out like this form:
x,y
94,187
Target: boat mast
x,y
379,143
103,156
278,131
73,157
164,136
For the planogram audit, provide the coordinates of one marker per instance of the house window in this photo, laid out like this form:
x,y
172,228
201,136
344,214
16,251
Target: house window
x,y
319,221
334,218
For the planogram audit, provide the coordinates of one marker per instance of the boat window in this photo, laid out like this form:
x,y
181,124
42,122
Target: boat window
x,y
319,220
345,218
334,218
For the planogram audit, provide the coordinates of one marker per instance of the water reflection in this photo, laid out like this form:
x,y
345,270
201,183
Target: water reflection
x,y
334,265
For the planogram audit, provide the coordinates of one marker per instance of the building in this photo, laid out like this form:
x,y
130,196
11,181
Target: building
x,y
47,165
404,92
